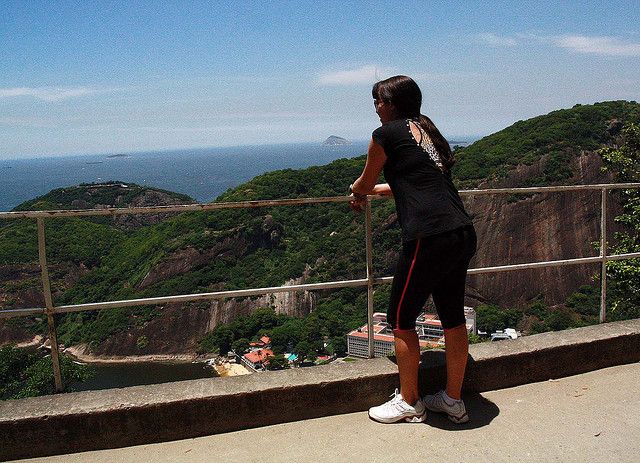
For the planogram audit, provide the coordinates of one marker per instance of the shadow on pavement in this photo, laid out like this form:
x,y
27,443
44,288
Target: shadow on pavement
x,y
433,377
480,409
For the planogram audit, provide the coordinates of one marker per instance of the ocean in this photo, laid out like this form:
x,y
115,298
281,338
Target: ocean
x,y
202,174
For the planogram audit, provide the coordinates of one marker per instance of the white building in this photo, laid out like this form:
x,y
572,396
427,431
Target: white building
x,y
428,327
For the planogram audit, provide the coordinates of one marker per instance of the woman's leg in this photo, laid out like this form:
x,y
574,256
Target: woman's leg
x,y
408,294
456,343
408,358
448,297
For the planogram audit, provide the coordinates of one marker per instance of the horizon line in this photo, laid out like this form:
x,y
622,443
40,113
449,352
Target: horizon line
x,y
461,138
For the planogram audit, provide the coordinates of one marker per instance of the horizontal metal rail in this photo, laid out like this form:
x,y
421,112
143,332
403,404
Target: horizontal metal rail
x,y
50,310
551,189
10,313
114,211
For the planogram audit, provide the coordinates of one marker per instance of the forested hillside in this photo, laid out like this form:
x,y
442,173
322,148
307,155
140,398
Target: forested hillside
x,y
556,138
99,259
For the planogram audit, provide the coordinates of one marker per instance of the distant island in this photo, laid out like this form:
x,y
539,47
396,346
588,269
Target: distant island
x,y
119,155
333,140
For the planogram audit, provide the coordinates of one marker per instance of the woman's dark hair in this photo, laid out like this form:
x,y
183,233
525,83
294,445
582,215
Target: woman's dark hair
x,y
405,95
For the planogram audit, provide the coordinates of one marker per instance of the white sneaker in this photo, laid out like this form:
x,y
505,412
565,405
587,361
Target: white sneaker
x,y
437,403
398,410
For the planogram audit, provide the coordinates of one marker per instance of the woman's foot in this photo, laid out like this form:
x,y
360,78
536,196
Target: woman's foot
x,y
397,409
442,403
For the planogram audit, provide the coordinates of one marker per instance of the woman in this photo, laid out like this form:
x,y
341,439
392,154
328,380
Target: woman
x,y
438,240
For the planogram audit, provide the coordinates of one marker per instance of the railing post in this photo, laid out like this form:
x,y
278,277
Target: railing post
x,y
603,256
369,242
48,300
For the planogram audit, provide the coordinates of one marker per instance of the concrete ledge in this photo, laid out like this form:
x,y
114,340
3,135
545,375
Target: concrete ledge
x,y
75,422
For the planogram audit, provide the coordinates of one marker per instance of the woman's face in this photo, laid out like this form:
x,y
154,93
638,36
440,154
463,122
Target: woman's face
x,y
385,110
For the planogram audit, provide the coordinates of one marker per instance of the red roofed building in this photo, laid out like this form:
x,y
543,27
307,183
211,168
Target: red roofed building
x,y
257,359
264,341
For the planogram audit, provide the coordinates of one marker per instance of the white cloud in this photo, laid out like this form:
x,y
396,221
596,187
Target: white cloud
x,y
496,40
367,74
603,45
608,46
51,94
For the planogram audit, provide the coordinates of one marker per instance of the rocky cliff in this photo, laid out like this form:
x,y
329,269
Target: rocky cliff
x,y
540,227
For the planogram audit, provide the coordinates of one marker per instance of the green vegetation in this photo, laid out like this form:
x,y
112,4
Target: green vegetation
x,y
240,248
623,160
24,373
553,138
88,196
334,316
580,309
492,318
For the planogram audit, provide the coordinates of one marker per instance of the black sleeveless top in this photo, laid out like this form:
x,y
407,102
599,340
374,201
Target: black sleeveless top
x,y
426,200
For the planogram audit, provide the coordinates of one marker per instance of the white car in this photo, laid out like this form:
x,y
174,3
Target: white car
x,y
508,333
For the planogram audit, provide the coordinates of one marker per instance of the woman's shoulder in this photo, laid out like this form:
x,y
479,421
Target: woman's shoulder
x,y
396,123
391,128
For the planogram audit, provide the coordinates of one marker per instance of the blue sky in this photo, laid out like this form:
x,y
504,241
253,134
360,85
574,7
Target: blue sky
x,y
107,76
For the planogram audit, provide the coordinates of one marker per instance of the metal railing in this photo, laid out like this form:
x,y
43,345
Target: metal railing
x,y
50,309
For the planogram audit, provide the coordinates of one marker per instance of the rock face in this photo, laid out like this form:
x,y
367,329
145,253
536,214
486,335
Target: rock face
x,y
177,330
294,303
236,245
541,227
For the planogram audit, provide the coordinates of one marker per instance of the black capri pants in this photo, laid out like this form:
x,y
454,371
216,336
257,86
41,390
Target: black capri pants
x,y
434,265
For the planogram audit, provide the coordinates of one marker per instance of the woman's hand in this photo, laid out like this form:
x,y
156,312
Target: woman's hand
x,y
358,202
382,189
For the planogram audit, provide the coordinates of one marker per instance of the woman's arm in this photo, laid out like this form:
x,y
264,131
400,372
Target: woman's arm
x,y
366,183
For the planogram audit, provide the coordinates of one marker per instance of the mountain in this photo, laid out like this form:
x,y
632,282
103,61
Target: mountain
x,y
557,148
98,259
106,195
334,140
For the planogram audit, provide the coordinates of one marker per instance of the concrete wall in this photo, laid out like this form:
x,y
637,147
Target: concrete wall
x,y
75,422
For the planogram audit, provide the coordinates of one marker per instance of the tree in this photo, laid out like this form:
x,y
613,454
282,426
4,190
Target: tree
x,y
585,301
285,336
240,346
337,345
491,318
623,161
27,374
558,320
305,351
220,338
277,362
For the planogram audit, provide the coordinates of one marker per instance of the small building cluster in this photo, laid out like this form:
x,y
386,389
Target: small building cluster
x,y
257,359
428,327
258,356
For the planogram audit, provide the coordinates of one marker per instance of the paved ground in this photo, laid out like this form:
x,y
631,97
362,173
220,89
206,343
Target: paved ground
x,y
591,417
